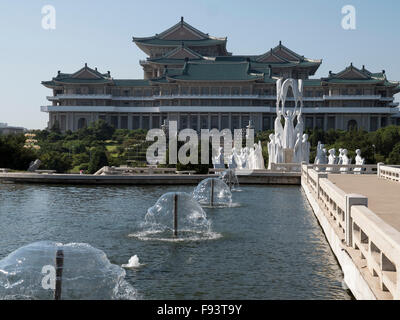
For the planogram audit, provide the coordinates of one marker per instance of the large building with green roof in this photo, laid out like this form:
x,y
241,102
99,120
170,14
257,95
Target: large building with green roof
x,y
190,77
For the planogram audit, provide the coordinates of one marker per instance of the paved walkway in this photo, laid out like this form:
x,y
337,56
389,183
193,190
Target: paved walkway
x,y
383,195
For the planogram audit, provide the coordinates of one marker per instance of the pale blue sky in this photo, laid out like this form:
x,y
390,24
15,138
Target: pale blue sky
x,y
100,32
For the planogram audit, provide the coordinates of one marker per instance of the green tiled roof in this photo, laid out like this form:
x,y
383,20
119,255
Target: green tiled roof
x,y
217,72
131,82
312,82
174,43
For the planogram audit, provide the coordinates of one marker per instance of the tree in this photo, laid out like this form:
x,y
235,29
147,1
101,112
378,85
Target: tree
x,y
98,160
394,156
53,160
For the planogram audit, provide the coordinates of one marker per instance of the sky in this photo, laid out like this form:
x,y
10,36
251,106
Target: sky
x,y
99,32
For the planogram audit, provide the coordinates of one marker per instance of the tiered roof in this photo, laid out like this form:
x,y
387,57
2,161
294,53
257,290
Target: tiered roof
x,y
353,75
173,37
87,75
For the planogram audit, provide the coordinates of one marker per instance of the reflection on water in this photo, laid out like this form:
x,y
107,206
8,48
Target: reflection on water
x,y
270,247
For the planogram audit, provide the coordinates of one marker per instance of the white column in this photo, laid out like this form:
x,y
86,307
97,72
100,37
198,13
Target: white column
x,y
352,200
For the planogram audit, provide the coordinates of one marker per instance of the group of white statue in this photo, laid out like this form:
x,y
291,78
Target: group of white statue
x,y
247,158
288,144
342,159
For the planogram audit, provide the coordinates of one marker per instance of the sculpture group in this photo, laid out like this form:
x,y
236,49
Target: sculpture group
x,y
342,159
288,144
247,158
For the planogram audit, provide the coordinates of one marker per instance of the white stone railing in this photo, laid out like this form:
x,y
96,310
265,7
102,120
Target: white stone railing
x,y
389,172
349,168
363,233
378,244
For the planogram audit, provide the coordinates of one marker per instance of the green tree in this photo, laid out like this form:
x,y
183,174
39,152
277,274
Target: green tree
x,y
53,160
98,160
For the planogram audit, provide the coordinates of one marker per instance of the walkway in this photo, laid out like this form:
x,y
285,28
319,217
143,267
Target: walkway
x,y
383,195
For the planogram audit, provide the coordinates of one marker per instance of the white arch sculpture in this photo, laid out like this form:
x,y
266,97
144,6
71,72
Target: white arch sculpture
x,y
288,135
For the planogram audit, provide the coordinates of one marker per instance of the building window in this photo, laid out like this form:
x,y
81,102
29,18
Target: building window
x,y
114,121
124,122
204,121
184,90
214,90
156,122
236,91
225,91
266,123
194,91
146,122
183,121
205,91
319,123
352,125
309,122
214,122
135,122
225,122
193,122
235,122
373,124
246,90
383,122
331,122
82,123
245,121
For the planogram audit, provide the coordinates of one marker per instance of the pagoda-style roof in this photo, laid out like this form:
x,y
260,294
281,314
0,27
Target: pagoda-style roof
x,y
91,76
281,56
84,75
353,75
179,32
177,56
215,71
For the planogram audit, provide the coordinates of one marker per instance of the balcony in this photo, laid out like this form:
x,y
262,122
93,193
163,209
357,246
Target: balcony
x,y
79,96
351,97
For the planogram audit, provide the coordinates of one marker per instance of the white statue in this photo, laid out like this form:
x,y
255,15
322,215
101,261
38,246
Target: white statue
x,y
320,156
218,161
278,149
259,157
331,159
345,161
305,145
271,150
297,155
288,131
359,161
233,160
339,158
300,124
287,136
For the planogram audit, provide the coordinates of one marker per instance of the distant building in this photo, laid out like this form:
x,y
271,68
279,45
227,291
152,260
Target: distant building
x,y
6,129
190,77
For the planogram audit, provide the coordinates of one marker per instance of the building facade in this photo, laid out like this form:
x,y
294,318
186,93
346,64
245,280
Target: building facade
x,y
190,77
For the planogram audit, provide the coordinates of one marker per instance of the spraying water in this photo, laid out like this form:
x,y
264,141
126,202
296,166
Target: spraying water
x,y
29,273
176,216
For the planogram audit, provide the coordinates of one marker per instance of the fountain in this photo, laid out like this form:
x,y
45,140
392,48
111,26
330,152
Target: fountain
x,y
213,192
48,270
230,178
176,216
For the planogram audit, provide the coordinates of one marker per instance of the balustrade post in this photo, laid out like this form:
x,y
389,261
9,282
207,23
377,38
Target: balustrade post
x,y
379,164
320,176
352,200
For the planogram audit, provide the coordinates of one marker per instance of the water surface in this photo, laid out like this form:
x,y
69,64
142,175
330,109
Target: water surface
x,y
271,246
